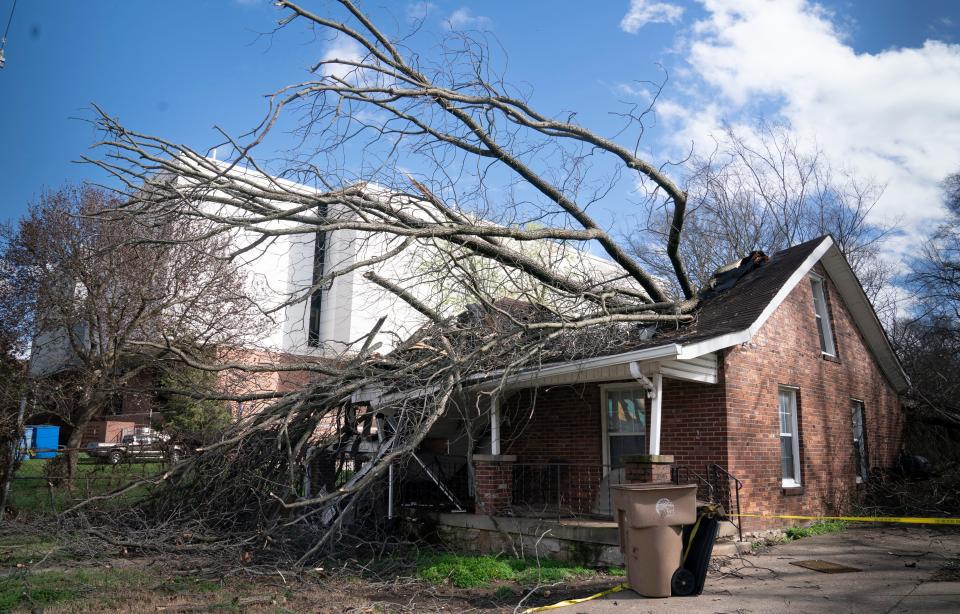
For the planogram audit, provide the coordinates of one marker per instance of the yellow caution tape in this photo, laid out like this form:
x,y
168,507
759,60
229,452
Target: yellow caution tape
x,y
894,519
562,604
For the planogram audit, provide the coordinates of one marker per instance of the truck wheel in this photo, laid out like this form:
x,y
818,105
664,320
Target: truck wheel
x,y
115,457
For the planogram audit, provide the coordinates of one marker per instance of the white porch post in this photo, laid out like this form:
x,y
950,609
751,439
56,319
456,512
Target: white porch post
x,y
655,414
494,426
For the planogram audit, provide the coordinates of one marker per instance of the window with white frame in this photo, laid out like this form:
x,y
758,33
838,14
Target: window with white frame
x,y
624,424
789,437
859,442
823,317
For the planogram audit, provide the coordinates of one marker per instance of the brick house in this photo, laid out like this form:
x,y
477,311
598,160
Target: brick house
x,y
785,384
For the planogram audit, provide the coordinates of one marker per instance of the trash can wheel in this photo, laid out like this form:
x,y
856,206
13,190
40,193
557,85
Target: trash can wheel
x,y
683,582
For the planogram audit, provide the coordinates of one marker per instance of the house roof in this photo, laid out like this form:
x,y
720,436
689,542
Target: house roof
x,y
730,313
739,307
734,315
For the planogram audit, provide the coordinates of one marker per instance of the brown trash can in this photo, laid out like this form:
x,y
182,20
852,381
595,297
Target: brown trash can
x,y
651,519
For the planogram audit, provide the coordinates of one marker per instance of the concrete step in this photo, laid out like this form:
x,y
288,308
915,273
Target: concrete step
x,y
730,548
726,530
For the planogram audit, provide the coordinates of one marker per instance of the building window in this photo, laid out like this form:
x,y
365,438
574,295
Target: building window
x,y
860,443
789,438
316,299
823,317
624,424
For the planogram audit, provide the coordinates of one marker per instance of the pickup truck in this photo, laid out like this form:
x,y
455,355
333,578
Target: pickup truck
x,y
148,447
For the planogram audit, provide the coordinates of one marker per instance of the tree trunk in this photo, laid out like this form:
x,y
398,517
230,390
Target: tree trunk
x,y
73,450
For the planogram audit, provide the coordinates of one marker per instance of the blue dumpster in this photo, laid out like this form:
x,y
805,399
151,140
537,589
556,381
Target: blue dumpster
x,y
26,442
46,438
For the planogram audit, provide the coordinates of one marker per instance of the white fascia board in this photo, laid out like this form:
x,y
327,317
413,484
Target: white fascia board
x,y
692,350
661,351
376,395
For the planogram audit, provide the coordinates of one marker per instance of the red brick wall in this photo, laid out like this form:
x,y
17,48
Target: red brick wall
x,y
494,486
693,424
559,423
786,351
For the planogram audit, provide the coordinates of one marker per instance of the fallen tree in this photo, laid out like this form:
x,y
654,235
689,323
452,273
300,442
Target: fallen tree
x,y
490,198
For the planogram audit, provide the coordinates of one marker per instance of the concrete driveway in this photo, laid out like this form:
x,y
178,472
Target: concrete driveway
x,y
901,572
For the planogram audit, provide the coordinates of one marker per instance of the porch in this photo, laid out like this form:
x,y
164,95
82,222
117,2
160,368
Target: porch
x,y
550,445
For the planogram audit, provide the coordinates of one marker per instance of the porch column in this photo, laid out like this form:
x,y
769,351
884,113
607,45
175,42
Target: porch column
x,y
655,405
647,468
494,483
494,426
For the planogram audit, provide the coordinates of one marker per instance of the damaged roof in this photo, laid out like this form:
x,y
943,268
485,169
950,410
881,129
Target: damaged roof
x,y
732,309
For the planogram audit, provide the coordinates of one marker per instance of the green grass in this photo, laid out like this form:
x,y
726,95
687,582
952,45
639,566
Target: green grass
x,y
25,549
45,588
37,589
30,495
466,571
822,527
818,528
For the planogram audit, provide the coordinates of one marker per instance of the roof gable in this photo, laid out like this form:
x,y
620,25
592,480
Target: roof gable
x,y
735,316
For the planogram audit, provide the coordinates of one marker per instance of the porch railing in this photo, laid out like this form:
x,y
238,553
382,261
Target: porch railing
x,y
564,490
684,475
416,486
722,481
717,485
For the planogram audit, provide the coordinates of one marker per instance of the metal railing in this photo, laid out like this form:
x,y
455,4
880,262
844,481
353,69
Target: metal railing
x,y
715,487
563,490
684,475
440,482
721,479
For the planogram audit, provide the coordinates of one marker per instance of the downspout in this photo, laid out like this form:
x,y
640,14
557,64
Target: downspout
x,y
655,391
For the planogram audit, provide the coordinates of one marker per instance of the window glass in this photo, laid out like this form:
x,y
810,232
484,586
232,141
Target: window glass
x,y
859,442
789,443
625,411
823,317
626,424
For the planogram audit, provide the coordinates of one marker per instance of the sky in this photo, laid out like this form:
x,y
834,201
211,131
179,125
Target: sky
x,y
875,84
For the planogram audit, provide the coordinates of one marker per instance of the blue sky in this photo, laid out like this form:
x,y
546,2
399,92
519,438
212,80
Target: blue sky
x,y
876,83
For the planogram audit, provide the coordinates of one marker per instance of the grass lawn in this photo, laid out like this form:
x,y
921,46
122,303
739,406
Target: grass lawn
x,y
474,571
30,493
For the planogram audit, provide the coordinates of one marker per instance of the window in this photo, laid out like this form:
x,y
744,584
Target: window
x,y
859,443
789,438
624,424
823,317
316,299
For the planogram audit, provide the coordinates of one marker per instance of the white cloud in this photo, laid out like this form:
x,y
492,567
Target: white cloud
x,y
342,49
419,10
642,12
893,116
464,19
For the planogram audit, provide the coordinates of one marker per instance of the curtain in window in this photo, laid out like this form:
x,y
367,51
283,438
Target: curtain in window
x,y
626,424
